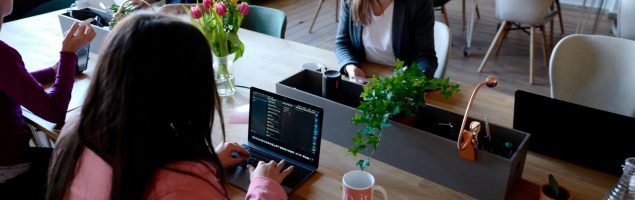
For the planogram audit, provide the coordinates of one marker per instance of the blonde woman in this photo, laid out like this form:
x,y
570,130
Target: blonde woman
x,y
380,31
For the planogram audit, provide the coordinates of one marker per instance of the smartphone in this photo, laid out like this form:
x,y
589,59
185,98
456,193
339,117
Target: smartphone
x,y
82,59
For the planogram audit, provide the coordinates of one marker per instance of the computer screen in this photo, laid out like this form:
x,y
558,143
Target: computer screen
x,y
582,135
285,126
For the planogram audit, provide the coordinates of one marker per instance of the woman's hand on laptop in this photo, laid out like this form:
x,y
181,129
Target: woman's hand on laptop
x,y
270,170
224,152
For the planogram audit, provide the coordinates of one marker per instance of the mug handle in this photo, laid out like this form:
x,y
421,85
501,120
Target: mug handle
x,y
381,190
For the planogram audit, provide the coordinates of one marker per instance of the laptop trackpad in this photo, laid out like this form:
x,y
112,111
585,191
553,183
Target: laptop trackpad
x,y
239,177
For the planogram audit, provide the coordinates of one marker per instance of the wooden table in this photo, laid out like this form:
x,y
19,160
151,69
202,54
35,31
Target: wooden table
x,y
268,60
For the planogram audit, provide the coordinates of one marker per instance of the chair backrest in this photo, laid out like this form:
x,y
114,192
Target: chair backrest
x,y
625,17
442,41
49,6
530,12
595,71
265,20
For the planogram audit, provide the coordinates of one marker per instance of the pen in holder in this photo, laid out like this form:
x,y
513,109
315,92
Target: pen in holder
x,y
468,139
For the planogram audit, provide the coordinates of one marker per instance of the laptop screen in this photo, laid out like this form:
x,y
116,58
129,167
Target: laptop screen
x,y
285,126
586,136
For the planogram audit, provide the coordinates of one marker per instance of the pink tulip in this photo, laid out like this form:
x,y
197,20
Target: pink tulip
x,y
195,12
220,8
243,8
207,4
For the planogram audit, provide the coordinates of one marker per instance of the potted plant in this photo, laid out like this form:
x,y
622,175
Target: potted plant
x,y
394,97
554,191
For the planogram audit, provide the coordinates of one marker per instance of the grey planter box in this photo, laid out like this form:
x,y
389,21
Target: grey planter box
x,y
101,32
428,150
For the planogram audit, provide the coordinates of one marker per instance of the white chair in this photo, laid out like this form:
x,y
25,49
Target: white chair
x,y
624,26
595,71
535,13
442,41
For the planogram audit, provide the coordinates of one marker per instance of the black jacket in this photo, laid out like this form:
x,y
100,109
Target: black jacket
x,y
412,35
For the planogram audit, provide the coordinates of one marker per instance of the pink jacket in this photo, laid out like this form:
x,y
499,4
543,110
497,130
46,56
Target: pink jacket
x,y
93,178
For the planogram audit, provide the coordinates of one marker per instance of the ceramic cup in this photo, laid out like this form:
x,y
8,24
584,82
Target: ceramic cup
x,y
359,185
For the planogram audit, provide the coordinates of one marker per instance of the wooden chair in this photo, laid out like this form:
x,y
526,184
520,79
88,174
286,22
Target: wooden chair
x,y
534,13
439,5
595,71
317,12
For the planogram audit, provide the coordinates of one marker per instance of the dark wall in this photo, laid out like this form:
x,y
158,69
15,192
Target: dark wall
x,y
21,7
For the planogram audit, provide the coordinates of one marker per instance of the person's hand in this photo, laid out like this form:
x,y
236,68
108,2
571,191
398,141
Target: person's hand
x,y
270,170
224,152
354,71
73,42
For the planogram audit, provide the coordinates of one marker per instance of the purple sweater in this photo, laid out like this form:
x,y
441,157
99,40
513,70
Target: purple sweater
x,y
19,87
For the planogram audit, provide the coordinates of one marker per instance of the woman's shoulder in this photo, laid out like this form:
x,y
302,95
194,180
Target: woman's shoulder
x,y
186,180
7,51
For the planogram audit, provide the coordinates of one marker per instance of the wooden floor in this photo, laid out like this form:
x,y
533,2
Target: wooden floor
x,y
511,66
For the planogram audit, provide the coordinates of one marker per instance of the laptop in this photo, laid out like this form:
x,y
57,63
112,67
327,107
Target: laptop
x,y
281,128
582,135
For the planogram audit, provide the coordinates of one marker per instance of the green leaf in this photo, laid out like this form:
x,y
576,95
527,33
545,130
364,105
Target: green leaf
x,y
363,164
553,184
373,141
353,150
359,139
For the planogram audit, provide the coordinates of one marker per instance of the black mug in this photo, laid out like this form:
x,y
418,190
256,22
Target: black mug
x,y
331,84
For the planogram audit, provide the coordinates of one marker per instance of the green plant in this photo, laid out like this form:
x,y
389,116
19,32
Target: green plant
x,y
386,97
555,191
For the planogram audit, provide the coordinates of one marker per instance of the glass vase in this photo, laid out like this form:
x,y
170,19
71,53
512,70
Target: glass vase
x,y
625,187
225,84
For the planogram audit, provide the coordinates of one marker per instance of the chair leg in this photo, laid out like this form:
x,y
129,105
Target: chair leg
x,y
317,11
505,32
478,13
337,10
544,46
445,16
560,16
551,44
463,11
34,137
531,54
491,47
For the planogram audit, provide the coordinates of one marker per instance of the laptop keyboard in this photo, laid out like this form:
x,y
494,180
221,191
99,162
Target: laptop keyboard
x,y
297,175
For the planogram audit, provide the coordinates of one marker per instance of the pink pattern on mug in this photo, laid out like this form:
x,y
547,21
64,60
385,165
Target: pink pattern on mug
x,y
359,185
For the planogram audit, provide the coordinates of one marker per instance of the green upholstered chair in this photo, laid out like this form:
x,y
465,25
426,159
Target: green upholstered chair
x,y
265,20
52,5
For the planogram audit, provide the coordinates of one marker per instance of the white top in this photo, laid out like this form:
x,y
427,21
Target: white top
x,y
377,38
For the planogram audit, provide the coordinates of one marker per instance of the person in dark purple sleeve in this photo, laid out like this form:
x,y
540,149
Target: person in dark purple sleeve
x,y
21,88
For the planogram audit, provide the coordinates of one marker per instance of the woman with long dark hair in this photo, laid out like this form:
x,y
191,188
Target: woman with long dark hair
x,y
145,128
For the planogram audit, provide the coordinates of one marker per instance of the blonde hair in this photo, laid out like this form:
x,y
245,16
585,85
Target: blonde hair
x,y
361,11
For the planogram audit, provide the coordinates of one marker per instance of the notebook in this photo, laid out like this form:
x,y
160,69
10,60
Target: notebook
x,y
582,135
281,128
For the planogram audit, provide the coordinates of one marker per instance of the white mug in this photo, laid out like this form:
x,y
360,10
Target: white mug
x,y
359,185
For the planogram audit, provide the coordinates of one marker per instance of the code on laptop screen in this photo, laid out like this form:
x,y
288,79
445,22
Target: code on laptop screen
x,y
284,125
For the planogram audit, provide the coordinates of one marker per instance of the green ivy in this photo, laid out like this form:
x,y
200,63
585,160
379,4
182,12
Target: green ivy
x,y
383,98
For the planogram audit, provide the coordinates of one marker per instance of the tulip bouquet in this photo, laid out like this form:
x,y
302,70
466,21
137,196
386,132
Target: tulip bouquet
x,y
219,20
